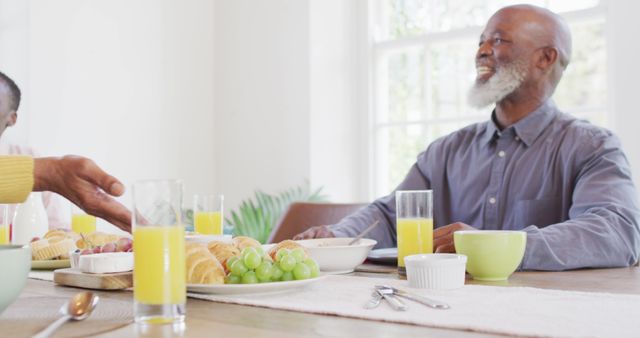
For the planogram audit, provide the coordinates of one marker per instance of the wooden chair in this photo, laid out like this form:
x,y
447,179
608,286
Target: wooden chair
x,y
301,216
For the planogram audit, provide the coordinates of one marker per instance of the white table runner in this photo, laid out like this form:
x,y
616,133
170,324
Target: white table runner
x,y
502,310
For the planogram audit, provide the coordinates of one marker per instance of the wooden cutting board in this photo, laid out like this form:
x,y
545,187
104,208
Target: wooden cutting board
x,y
98,281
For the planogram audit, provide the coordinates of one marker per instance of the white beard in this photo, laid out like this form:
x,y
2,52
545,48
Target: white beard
x,y
507,79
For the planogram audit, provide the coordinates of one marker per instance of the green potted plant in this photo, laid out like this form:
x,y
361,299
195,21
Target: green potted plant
x,y
256,217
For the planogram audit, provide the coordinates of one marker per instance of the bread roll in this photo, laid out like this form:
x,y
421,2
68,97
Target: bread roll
x,y
223,251
202,266
242,242
53,250
286,244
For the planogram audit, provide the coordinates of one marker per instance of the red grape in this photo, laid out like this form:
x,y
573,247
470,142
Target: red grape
x,y
123,244
109,247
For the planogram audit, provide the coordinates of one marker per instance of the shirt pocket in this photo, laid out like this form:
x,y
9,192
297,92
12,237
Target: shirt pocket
x,y
538,212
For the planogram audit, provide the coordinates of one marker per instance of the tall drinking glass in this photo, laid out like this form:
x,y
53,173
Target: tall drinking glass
x,y
4,224
159,275
414,224
81,222
207,214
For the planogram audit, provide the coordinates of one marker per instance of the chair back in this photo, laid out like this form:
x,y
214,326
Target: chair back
x,y
301,216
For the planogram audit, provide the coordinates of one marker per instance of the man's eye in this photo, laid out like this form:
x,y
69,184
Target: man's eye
x,y
498,40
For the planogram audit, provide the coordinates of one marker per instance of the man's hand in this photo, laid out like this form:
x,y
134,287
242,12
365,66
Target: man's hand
x,y
443,237
320,231
82,182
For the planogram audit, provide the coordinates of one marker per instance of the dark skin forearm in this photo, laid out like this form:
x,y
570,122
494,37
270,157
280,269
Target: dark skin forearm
x,y
82,182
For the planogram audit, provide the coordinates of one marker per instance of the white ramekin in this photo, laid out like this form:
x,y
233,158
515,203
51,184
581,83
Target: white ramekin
x,y
436,271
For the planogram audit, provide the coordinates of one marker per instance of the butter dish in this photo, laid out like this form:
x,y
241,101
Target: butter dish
x,y
436,271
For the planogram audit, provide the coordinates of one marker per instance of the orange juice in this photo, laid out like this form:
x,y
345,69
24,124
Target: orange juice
x,y
415,236
159,275
4,234
83,223
209,222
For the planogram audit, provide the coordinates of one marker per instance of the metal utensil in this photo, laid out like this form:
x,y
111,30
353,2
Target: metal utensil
x,y
79,307
374,301
394,302
364,232
432,303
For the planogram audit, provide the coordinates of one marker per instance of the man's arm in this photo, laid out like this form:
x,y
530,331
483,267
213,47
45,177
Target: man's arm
x,y
82,182
383,209
602,230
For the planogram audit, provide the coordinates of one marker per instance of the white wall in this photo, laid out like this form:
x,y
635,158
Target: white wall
x,y
624,50
337,110
126,83
262,96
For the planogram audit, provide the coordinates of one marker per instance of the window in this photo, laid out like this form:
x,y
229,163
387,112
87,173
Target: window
x,y
423,65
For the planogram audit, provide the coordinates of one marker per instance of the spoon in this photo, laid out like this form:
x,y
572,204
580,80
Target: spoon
x,y
79,307
364,232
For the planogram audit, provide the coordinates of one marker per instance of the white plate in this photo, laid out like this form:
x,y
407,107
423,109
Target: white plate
x,y
204,239
384,256
239,289
50,264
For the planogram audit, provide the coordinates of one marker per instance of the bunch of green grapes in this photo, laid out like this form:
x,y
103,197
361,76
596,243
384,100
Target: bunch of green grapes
x,y
254,266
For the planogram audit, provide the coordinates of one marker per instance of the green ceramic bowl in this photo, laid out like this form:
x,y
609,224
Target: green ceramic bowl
x,y
492,255
15,263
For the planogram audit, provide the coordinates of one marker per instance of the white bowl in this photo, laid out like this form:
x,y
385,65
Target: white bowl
x,y
335,256
436,271
15,263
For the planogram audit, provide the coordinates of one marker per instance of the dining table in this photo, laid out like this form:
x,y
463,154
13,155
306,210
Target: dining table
x,y
38,304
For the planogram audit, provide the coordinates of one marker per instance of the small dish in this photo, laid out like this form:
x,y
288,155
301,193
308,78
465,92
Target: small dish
x,y
436,271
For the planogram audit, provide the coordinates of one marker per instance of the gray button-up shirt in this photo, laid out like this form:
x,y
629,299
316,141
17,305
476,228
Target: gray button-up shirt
x,y
564,181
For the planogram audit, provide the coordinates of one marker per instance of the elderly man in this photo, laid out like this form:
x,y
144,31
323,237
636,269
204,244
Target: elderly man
x,y
531,167
57,207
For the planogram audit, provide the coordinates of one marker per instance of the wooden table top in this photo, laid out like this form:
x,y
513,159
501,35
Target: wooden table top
x,y
206,318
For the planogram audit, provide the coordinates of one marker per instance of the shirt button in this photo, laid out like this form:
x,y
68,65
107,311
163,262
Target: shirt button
x,y
501,153
517,138
492,200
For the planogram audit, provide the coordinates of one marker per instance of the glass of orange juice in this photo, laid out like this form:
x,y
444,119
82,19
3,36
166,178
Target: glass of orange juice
x,y
207,214
159,275
4,224
81,222
414,224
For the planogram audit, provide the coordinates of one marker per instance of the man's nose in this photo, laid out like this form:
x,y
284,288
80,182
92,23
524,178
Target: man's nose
x,y
484,50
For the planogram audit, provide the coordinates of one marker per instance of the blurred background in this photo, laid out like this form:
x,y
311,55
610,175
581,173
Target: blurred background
x,y
235,96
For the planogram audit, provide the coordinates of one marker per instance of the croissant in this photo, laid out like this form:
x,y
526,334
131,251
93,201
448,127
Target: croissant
x,y
242,242
202,266
222,251
286,244
51,250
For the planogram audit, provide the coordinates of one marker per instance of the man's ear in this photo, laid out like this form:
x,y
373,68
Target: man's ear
x,y
547,57
13,118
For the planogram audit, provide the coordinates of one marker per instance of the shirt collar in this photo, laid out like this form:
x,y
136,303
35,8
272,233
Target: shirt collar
x,y
529,128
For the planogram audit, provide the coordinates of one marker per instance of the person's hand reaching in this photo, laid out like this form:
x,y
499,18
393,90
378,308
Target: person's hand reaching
x,y
443,237
82,182
320,231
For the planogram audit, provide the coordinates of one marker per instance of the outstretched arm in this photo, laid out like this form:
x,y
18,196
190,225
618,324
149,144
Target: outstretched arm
x,y
82,182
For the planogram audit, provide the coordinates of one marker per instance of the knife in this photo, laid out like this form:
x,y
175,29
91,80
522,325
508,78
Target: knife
x,y
374,301
394,302
432,303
